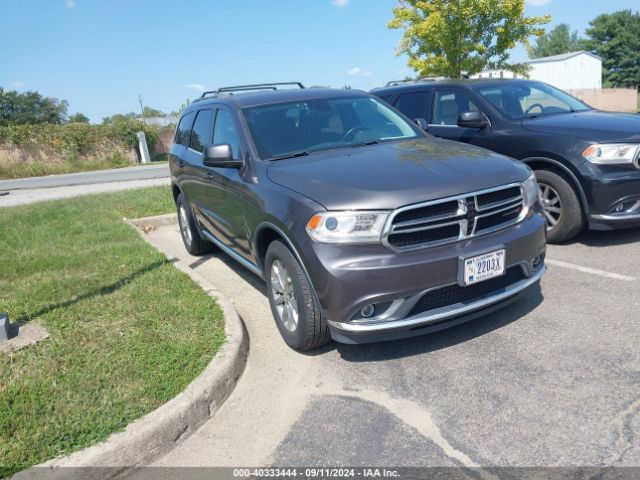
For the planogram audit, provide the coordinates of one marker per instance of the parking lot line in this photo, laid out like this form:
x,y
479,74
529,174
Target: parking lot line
x,y
592,271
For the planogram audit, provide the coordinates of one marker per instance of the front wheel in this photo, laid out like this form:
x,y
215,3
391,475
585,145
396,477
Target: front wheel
x,y
294,305
561,205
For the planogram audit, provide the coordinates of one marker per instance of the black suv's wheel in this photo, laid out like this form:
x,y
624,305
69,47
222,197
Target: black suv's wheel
x,y
194,244
561,205
294,305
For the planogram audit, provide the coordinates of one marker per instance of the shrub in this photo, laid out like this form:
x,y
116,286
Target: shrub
x,y
77,138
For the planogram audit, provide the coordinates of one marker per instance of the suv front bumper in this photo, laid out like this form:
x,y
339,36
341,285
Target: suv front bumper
x,y
612,188
347,278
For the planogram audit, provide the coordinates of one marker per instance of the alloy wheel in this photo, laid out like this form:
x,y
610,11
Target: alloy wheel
x,y
284,296
184,225
551,204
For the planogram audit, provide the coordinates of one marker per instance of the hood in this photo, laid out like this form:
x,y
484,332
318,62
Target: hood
x,y
592,125
391,175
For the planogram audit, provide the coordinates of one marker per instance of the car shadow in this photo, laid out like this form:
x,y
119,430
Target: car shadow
x,y
94,292
238,269
609,238
410,347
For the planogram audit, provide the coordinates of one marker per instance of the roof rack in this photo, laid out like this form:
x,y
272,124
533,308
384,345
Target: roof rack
x,y
393,83
246,88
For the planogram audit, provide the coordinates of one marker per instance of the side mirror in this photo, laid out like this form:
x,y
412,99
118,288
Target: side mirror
x,y
220,156
422,123
475,119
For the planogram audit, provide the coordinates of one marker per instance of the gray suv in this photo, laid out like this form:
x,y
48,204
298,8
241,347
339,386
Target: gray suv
x,y
364,227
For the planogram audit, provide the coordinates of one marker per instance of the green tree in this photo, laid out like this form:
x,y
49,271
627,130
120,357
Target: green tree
x,y
178,113
456,37
556,41
30,108
616,38
152,112
78,118
119,118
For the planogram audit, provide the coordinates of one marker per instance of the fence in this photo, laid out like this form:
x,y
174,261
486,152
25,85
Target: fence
x,y
609,99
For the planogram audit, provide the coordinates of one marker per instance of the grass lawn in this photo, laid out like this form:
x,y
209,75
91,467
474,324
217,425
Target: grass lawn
x,y
128,331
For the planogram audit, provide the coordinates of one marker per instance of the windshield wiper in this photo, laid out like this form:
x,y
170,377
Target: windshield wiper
x,y
291,155
364,144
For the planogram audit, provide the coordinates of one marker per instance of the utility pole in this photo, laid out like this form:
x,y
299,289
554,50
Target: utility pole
x,y
141,108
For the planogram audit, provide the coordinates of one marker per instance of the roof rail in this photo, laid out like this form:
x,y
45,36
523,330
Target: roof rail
x,y
246,88
393,83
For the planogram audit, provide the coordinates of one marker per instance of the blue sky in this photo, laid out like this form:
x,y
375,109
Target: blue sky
x,y
101,54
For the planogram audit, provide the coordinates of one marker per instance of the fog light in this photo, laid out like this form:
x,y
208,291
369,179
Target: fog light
x,y
538,261
367,311
628,206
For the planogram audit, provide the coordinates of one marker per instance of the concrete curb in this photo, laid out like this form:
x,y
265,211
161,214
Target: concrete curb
x,y
154,434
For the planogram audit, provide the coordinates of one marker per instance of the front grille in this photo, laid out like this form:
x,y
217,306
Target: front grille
x,y
485,200
452,219
403,240
453,294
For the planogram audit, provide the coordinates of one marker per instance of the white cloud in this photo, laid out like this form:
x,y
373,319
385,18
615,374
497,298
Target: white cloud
x,y
18,84
359,72
70,3
197,87
537,3
340,3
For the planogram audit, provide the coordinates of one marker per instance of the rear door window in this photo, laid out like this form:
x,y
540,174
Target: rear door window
x,y
413,104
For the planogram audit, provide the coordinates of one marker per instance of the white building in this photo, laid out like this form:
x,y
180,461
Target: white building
x,y
568,71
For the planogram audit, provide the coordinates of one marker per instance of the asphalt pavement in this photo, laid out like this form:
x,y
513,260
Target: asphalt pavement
x,y
551,380
126,174
53,187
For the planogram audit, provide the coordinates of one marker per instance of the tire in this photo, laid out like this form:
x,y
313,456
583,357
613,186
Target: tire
x,y
191,238
563,212
309,329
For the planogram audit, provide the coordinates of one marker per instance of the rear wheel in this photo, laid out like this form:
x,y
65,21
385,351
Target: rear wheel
x,y
194,244
561,205
294,305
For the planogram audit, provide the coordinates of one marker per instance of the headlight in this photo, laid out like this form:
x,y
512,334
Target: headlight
x,y
347,227
530,190
612,153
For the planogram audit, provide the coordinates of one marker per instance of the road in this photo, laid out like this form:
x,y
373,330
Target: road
x,y
36,189
552,380
126,174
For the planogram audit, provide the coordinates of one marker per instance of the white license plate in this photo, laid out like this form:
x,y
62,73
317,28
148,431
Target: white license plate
x,y
483,267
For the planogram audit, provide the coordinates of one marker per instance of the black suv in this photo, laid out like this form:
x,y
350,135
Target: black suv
x,y
364,227
587,162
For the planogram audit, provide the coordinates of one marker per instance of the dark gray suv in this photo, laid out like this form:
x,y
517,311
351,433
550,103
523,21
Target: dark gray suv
x,y
363,226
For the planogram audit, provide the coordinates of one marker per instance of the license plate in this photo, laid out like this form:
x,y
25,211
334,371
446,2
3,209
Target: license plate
x,y
483,267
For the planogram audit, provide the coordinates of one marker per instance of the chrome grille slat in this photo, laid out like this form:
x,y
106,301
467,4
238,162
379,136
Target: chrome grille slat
x,y
411,223
426,227
505,201
499,204
499,210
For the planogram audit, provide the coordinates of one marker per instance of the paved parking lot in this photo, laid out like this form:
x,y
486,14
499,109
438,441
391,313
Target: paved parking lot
x,y
552,380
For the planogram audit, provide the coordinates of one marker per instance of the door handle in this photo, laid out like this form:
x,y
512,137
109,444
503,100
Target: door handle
x,y
207,175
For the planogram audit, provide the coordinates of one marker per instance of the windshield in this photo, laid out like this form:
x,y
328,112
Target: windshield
x,y
532,99
299,128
